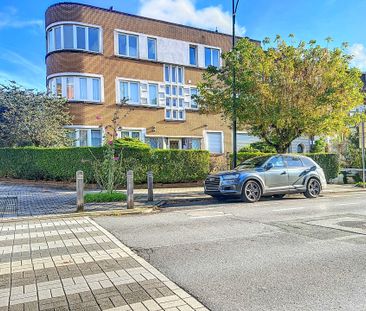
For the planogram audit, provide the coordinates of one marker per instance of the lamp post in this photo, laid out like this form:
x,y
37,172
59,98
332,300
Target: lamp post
x,y
235,155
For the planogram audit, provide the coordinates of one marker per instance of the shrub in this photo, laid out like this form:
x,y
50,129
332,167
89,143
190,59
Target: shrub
x,y
329,162
168,166
98,197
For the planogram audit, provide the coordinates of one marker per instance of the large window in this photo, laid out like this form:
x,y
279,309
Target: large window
x,y
129,91
136,134
153,94
212,57
86,137
151,48
214,142
127,45
193,55
174,96
77,88
194,93
173,74
74,37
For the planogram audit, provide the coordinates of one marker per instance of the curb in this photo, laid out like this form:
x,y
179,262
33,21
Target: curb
x,y
135,211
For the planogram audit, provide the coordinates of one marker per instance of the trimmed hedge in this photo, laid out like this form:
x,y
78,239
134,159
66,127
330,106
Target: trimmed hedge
x,y
329,162
61,164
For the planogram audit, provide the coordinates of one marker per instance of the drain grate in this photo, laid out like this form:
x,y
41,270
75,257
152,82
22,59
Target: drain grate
x,y
8,205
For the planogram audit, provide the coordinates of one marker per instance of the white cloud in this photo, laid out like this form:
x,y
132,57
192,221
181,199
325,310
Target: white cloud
x,y
358,51
9,19
16,59
185,12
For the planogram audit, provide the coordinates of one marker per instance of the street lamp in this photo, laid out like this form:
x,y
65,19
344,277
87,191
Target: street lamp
x,y
235,155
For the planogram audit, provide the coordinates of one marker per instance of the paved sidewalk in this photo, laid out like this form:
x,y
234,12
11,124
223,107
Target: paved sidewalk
x,y
74,264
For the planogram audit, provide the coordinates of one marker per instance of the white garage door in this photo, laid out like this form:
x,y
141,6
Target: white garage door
x,y
214,142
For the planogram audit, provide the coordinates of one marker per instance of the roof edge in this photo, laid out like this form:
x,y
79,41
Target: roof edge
x,y
147,18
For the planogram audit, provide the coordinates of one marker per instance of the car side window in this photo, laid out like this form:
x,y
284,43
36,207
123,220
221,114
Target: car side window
x,y
308,162
277,162
294,161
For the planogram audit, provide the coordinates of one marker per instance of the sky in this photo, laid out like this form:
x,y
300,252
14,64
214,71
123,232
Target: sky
x,y
22,35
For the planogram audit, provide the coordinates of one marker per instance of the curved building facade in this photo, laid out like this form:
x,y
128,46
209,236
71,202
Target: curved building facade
x,y
102,60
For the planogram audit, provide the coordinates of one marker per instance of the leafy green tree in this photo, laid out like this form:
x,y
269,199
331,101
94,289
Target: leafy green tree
x,y
29,118
284,90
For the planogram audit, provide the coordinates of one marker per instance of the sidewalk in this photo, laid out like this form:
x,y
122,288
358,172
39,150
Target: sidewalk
x,y
74,264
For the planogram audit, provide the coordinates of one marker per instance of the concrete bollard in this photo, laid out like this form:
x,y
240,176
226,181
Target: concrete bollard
x,y
150,186
79,191
130,200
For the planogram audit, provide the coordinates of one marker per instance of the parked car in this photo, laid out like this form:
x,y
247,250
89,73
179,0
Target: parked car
x,y
275,175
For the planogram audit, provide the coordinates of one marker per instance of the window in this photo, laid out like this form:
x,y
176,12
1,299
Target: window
x,y
174,90
293,161
93,39
76,88
193,101
212,57
96,138
57,38
80,38
174,74
193,55
83,88
70,88
277,162
180,75
85,137
167,90
63,37
151,48
214,142
167,73
153,94
155,142
191,143
127,45
136,134
68,37
129,91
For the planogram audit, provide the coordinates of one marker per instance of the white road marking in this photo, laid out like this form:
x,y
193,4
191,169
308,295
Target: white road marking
x,y
289,209
210,216
344,204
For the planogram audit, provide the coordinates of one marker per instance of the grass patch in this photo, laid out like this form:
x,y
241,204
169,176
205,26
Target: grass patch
x,y
360,184
99,197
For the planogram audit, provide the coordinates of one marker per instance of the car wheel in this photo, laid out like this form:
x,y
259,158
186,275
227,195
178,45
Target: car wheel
x,y
252,191
279,196
313,188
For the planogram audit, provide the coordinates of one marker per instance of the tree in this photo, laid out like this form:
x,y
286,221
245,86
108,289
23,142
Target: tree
x,y
284,90
29,118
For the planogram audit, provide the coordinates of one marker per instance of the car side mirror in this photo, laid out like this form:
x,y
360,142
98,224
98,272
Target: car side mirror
x,y
269,166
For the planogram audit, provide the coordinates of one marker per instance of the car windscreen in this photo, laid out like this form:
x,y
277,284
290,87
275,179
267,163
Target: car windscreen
x,y
253,163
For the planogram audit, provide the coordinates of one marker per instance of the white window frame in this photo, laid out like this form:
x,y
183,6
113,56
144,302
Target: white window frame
x,y
142,131
211,57
157,94
75,24
196,55
64,75
156,48
118,32
118,91
89,128
205,140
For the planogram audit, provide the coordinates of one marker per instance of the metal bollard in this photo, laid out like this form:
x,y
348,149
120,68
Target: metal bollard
x,y
130,200
79,191
150,186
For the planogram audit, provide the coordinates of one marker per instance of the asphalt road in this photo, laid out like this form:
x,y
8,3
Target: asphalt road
x,y
290,254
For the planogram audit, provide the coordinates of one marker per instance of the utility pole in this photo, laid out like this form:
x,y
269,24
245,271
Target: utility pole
x,y
235,153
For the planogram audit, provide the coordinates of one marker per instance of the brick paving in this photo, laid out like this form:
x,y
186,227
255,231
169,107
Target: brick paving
x,y
74,264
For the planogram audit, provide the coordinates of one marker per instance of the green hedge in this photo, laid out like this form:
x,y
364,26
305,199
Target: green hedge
x,y
329,162
168,166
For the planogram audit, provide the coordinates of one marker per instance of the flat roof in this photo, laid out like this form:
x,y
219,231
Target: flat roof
x,y
148,18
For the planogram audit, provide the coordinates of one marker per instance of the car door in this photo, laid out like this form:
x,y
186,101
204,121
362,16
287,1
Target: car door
x,y
296,171
276,178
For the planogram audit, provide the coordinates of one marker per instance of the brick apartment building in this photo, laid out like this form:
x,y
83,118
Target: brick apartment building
x,y
99,58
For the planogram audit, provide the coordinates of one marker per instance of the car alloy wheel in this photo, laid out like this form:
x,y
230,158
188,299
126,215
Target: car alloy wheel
x,y
252,191
313,189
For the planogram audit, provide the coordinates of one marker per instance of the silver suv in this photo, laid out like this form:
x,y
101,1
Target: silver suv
x,y
276,176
